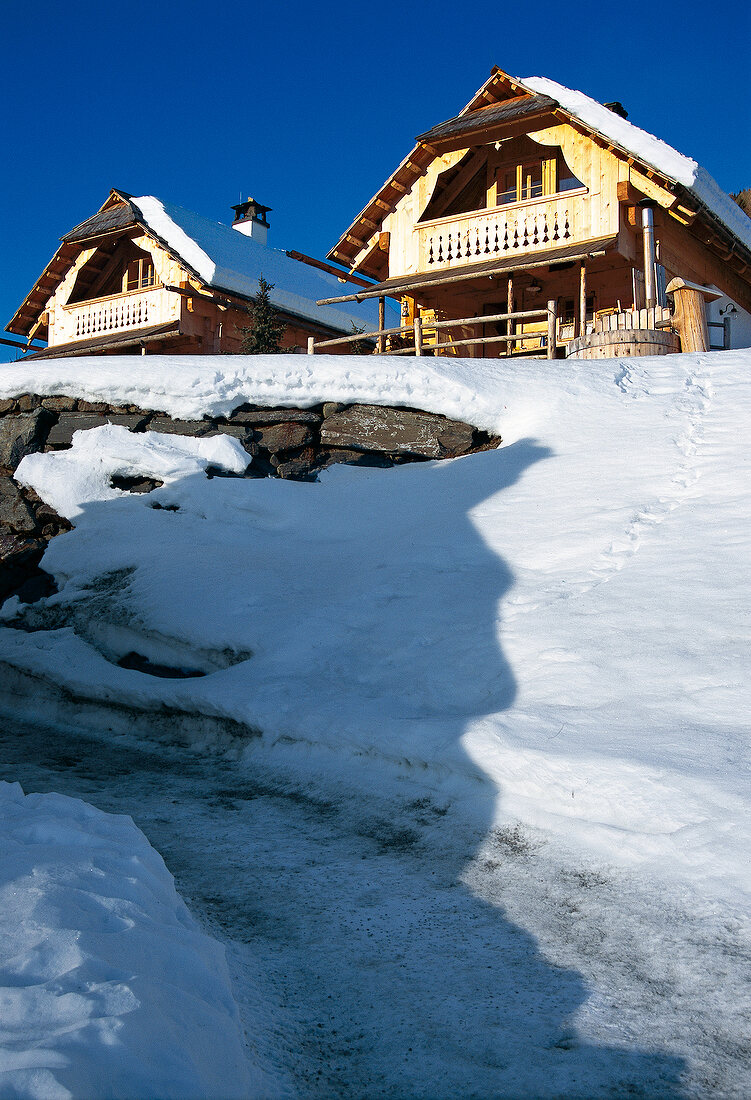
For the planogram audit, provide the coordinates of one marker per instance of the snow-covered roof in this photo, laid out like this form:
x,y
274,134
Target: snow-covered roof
x,y
649,149
228,260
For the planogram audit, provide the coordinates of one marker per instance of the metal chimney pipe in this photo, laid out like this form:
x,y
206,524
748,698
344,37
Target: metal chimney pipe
x,y
650,284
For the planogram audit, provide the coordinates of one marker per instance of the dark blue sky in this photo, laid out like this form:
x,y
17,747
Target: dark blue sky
x,y
308,108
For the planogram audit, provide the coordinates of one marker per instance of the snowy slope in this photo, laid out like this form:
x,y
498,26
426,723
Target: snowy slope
x,y
107,985
522,552
549,640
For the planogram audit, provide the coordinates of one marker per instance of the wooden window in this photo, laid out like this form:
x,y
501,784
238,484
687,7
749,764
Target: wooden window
x,y
530,179
570,306
139,274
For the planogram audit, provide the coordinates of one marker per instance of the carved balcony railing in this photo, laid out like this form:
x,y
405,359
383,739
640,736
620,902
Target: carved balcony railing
x,y
506,231
132,310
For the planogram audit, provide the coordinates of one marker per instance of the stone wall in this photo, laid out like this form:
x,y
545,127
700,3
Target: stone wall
x,y
287,443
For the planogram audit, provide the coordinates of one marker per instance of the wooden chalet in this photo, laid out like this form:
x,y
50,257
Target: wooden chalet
x,y
538,221
143,276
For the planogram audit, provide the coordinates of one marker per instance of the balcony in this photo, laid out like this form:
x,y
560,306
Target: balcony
x,y
535,226
134,310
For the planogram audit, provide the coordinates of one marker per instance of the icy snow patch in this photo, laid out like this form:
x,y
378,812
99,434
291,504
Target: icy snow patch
x,y
108,987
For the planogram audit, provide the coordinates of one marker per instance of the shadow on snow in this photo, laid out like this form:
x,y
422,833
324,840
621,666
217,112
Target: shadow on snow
x,y
378,972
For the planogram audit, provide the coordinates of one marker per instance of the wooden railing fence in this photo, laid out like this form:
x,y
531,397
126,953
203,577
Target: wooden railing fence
x,y
416,332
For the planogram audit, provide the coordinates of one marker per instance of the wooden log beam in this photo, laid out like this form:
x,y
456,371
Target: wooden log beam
x,y
345,276
582,297
418,334
690,315
509,310
23,347
551,327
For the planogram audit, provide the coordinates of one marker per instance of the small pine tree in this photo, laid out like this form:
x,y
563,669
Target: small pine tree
x,y
263,335
359,347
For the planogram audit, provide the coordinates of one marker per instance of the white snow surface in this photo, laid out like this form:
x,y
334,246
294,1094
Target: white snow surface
x,y
114,451
650,149
547,643
229,260
190,386
107,985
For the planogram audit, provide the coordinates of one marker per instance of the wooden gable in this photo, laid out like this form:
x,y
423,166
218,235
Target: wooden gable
x,y
451,154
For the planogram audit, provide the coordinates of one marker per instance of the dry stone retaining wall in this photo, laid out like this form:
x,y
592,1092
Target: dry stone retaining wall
x,y
287,443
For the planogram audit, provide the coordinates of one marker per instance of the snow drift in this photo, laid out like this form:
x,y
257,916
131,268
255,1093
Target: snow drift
x,y
108,987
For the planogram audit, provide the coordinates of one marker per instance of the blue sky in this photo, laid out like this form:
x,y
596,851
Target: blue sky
x,y
308,108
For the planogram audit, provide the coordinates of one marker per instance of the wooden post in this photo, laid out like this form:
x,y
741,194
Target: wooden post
x,y
380,348
311,345
510,309
551,328
689,313
418,334
582,298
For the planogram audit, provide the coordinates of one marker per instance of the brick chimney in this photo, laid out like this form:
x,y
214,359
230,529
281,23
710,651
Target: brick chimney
x,y
250,219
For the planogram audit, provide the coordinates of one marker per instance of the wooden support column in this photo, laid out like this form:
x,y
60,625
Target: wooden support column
x,y
582,298
690,314
380,348
311,345
510,309
551,327
418,334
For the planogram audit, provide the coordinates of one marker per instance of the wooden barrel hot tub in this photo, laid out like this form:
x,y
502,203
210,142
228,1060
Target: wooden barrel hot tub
x,y
624,342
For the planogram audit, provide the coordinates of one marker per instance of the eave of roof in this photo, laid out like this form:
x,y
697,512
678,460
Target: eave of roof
x,y
131,338
498,266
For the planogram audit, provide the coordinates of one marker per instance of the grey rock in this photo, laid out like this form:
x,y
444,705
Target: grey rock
x,y
46,516
19,561
23,435
61,435
331,407
243,432
135,484
274,416
237,431
300,467
27,402
16,549
59,404
283,437
396,431
352,458
167,426
15,513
